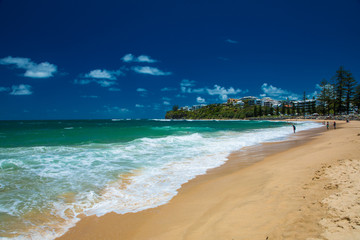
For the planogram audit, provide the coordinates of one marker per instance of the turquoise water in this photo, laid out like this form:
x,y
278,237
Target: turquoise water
x,y
52,171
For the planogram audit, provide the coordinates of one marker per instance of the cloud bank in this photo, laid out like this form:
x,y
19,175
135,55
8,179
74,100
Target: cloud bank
x,y
278,93
103,77
32,70
142,58
103,74
186,86
21,89
150,70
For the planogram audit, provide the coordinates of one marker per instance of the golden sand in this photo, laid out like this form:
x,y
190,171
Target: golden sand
x,y
299,190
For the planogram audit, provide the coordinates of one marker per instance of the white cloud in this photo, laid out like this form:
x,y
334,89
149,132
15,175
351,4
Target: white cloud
x,y
33,70
4,89
141,90
187,83
102,82
278,93
105,83
166,103
185,87
21,89
198,90
150,70
105,78
82,81
200,100
142,58
42,70
166,89
312,95
22,63
231,41
223,92
139,105
103,74
128,58
114,89
166,98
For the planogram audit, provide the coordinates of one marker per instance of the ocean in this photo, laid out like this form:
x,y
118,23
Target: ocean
x,y
51,172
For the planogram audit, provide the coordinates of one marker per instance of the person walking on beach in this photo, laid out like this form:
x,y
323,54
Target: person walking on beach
x,y
334,125
294,128
327,125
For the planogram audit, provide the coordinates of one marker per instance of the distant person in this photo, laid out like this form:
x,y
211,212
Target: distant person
x,y
347,120
294,128
334,125
327,125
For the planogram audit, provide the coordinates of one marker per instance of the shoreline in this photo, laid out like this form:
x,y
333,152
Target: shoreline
x,y
146,224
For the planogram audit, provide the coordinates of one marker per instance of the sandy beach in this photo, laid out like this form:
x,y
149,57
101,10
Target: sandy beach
x,y
305,188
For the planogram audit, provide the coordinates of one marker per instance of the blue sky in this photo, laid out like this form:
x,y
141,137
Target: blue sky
x,y
136,59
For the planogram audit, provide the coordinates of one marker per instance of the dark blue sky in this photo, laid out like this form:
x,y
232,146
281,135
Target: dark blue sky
x,y
80,59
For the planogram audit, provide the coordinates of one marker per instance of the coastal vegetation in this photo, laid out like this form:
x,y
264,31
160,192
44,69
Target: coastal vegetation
x,y
340,95
229,111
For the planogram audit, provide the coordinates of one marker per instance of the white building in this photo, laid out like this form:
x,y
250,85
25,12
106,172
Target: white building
x,y
251,100
307,104
235,101
268,102
186,108
195,107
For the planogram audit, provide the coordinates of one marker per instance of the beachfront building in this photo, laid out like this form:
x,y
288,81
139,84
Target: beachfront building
x,y
308,104
268,102
195,107
235,101
251,101
185,108
240,103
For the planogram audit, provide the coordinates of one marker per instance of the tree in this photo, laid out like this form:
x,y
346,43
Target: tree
x,y
293,109
313,105
271,111
339,89
175,107
304,101
283,107
255,111
356,98
325,96
260,111
267,110
349,89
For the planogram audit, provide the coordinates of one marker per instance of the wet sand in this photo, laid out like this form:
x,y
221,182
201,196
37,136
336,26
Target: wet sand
x,y
287,190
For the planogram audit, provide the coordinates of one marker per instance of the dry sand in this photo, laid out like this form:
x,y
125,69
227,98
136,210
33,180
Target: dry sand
x,y
306,191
